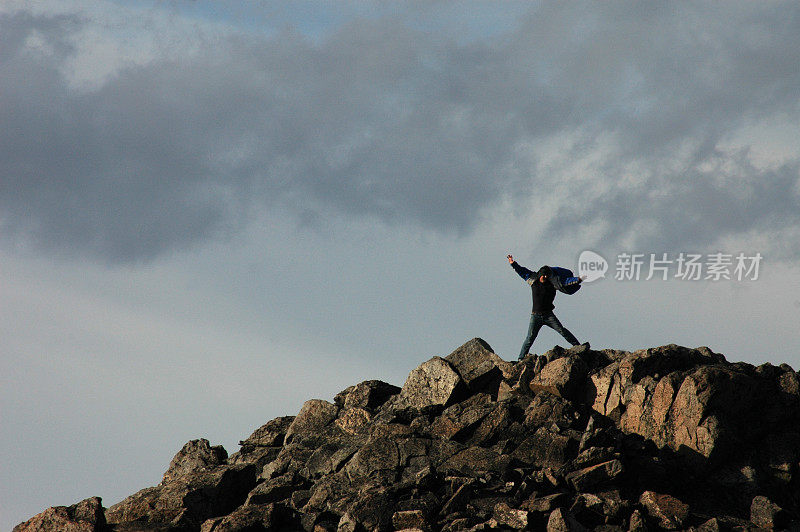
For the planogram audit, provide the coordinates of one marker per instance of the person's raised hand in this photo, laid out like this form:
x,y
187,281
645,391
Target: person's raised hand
x,y
510,259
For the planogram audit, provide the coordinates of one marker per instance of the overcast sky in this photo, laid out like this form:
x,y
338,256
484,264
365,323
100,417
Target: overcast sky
x,y
213,211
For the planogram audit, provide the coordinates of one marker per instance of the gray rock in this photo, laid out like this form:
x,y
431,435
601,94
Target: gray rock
x,y
670,512
253,517
434,382
85,516
313,417
445,453
564,377
475,461
457,420
545,503
766,514
561,520
194,489
274,490
479,367
368,394
378,455
513,518
544,448
589,477
195,455
271,434
409,519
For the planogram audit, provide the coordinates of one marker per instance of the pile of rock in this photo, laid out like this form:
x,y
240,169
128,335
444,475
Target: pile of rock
x,y
666,438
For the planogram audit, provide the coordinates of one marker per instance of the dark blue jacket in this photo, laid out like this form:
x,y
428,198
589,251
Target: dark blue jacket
x,y
542,294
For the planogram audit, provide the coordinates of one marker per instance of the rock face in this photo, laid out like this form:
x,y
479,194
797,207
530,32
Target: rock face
x,y
664,438
86,516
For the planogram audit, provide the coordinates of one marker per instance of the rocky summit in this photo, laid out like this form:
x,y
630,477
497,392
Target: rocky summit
x,y
665,438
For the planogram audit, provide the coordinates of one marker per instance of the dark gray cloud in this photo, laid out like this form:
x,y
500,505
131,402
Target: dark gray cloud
x,y
384,120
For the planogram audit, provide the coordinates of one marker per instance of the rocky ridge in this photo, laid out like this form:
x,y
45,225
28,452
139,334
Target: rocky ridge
x,y
663,438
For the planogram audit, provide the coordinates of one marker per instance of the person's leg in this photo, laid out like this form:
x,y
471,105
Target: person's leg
x,y
552,322
533,330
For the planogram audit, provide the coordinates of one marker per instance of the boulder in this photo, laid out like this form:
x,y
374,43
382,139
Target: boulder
x,y
85,516
454,450
409,519
545,503
510,517
354,420
434,382
460,418
252,517
589,477
561,520
544,448
328,458
368,394
195,488
263,445
271,434
766,514
313,417
379,454
670,512
475,461
194,456
564,377
479,367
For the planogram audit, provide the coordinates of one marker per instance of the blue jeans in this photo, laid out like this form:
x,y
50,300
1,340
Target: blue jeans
x,y
549,319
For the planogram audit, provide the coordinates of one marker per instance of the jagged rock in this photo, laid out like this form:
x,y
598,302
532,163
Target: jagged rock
x,y
354,420
274,490
545,503
544,448
493,426
712,525
636,522
547,409
195,455
251,517
469,444
475,461
379,454
409,519
505,515
668,510
195,488
479,367
459,418
589,477
347,524
766,514
458,501
434,382
589,510
328,458
313,417
85,516
368,394
562,521
372,508
564,377
271,434
263,445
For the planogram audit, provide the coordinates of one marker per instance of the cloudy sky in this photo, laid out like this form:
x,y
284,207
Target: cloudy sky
x,y
213,211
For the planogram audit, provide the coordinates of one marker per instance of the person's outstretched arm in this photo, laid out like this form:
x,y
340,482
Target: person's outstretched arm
x,y
523,272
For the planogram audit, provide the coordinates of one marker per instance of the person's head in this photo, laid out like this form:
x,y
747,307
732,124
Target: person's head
x,y
544,274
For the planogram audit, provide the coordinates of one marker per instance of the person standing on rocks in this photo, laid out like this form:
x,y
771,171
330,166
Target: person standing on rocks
x,y
543,293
